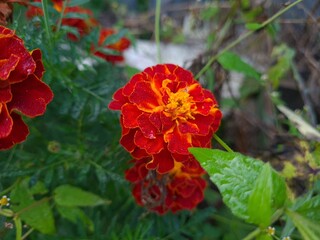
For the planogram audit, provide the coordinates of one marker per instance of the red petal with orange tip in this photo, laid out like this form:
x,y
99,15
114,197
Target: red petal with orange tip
x,y
7,66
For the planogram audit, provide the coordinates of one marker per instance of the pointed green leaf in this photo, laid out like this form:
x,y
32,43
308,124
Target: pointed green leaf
x,y
233,62
234,175
307,228
250,188
70,196
268,195
259,203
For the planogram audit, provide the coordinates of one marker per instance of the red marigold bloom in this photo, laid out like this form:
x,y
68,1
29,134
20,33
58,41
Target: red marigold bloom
x,y
181,188
119,46
164,111
83,25
21,88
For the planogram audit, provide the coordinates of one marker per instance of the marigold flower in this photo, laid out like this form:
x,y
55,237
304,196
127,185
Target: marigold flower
x,y
181,188
21,88
83,25
118,46
164,111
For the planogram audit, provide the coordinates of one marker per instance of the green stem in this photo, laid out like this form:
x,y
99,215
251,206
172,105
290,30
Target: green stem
x,y
27,234
222,143
157,29
244,36
64,5
253,234
18,225
46,19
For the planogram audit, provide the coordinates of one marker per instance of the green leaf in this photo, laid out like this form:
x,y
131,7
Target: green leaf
x,y
259,204
268,195
308,229
250,188
37,214
253,26
70,196
76,215
231,61
284,56
234,175
310,208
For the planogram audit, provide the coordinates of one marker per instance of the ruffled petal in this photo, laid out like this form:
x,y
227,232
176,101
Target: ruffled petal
x,y
162,162
130,115
7,66
118,100
18,133
30,97
37,57
179,143
152,146
26,64
144,97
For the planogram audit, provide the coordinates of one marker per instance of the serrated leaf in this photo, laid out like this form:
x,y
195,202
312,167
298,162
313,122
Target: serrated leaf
x,y
76,215
70,196
308,229
234,175
250,188
268,195
231,61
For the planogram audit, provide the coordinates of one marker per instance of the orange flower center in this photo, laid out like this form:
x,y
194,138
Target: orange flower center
x,y
180,105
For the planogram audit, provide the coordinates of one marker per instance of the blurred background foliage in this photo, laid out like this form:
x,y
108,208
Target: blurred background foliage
x,y
76,142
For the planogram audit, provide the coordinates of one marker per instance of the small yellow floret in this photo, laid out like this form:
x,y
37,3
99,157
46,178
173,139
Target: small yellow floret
x,y
271,231
4,201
